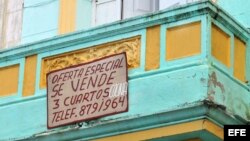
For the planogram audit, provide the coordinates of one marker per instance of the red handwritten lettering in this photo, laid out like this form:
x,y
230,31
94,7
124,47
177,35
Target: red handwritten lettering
x,y
57,89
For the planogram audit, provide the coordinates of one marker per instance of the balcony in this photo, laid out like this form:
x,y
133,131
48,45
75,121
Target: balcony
x,y
186,64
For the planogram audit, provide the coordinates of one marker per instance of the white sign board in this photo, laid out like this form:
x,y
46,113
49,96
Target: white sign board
x,y
87,91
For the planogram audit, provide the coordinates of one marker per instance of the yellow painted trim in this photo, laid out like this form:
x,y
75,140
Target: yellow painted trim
x,y
153,48
168,131
221,45
214,129
67,16
9,77
43,79
239,59
183,41
29,76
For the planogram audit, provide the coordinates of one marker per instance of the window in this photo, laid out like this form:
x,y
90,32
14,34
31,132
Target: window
x,y
106,11
172,3
133,8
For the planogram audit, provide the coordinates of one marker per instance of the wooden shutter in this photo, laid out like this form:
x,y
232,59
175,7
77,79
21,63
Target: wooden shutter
x,y
133,8
171,3
106,11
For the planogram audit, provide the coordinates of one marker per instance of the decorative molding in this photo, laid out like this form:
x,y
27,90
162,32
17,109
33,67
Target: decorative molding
x,y
131,46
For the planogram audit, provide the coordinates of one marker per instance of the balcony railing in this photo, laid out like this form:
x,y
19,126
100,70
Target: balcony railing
x,y
178,58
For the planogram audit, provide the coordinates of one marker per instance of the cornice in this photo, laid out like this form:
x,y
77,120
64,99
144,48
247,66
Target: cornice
x,y
97,129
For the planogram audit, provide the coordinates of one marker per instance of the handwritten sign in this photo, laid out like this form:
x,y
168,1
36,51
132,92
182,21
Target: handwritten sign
x,y
87,91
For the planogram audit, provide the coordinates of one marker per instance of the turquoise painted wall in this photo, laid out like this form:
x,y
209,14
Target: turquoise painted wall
x,y
178,84
170,87
239,9
40,20
169,90
226,91
84,14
